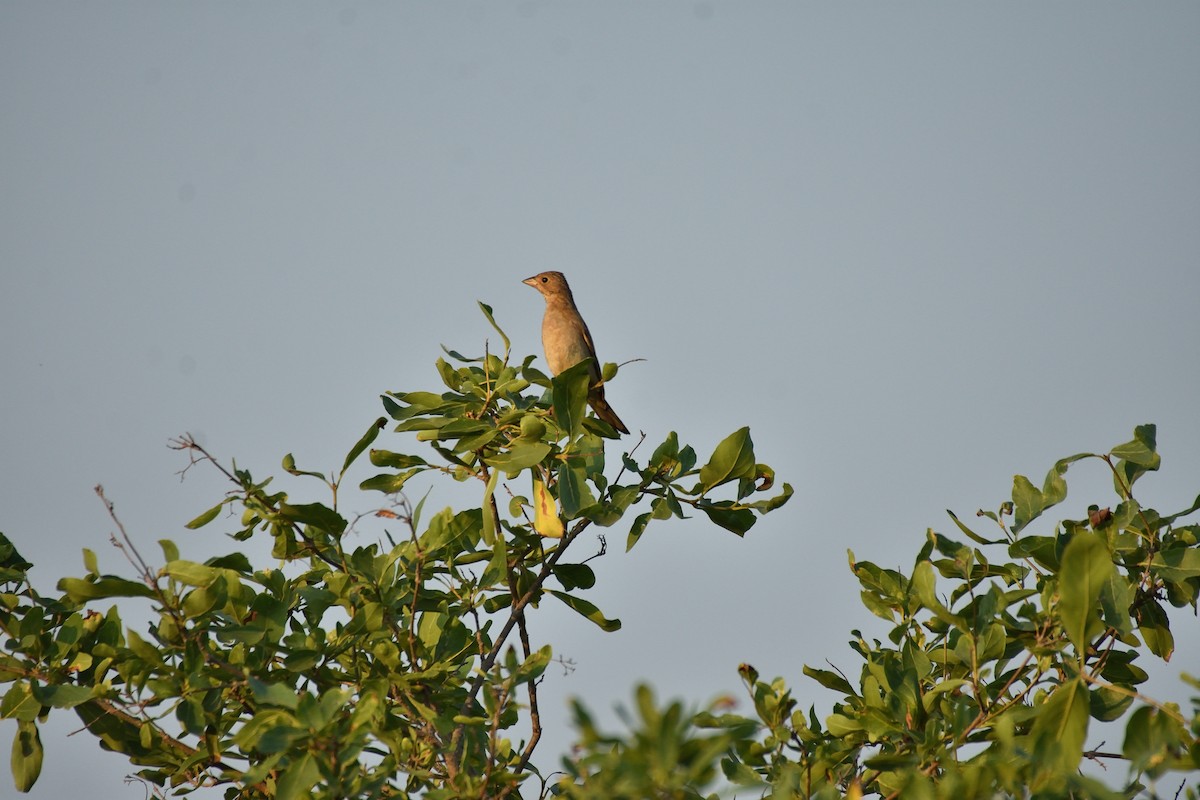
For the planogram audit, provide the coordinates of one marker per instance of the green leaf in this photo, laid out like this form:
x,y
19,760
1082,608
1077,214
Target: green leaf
x,y
573,492
289,465
315,515
190,713
122,734
588,610
1060,727
1155,628
1177,564
923,585
467,431
892,761
1171,518
273,694
449,374
732,459
11,562
206,517
830,680
238,562
80,590
532,427
489,519
66,695
364,442
19,703
522,455
1028,502
460,531
487,312
772,503
429,630
533,667
568,393
661,507
418,403
587,452
1120,669
1042,549
298,779
191,573
199,602
1140,450
389,483
1108,704
1152,737
1086,567
171,550
457,356
665,455
975,537
1054,490
575,576
143,649
1116,598
26,759
495,573
730,517
841,725
534,375
1135,458
386,458
636,530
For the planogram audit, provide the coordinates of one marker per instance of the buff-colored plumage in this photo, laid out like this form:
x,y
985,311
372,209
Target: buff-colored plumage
x,y
567,341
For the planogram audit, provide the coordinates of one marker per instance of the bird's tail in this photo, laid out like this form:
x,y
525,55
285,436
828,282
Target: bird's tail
x,y
604,410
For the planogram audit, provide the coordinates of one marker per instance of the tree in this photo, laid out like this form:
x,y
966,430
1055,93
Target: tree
x,y
403,668
1001,657
399,668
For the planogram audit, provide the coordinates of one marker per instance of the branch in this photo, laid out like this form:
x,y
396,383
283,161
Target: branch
x,y
1150,701
135,560
517,613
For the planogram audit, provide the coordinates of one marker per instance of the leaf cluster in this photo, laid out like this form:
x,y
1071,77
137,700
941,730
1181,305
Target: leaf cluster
x,y
400,667
1004,654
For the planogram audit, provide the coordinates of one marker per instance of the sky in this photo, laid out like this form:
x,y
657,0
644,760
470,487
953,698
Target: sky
x,y
918,248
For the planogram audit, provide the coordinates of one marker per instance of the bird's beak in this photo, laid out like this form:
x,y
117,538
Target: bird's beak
x,y
531,281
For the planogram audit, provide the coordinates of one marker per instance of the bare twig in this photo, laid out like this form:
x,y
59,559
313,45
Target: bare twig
x,y
127,547
188,443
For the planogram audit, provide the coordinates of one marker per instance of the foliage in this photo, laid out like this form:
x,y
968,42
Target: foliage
x,y
403,668
1003,655
388,669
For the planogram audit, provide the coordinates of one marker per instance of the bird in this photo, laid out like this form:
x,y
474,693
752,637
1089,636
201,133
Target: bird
x,y
567,341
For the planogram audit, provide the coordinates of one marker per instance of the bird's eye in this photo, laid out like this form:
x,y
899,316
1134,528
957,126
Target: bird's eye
x,y
545,279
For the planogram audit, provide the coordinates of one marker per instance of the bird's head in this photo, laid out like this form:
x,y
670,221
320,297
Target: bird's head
x,y
549,283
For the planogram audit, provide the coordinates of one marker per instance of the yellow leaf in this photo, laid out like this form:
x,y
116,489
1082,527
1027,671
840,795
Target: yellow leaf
x,y
545,514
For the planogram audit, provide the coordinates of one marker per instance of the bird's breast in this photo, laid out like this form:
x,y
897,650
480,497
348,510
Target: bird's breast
x,y
563,341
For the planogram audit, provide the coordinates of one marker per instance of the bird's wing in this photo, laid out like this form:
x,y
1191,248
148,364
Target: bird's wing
x,y
587,338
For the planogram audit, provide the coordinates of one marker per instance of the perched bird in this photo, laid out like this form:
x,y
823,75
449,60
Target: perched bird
x,y
566,340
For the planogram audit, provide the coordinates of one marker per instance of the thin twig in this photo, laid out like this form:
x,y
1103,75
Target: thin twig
x,y
1150,701
135,560
188,442
517,611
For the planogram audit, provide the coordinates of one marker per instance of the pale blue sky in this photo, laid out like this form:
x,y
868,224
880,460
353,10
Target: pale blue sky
x,y
917,247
